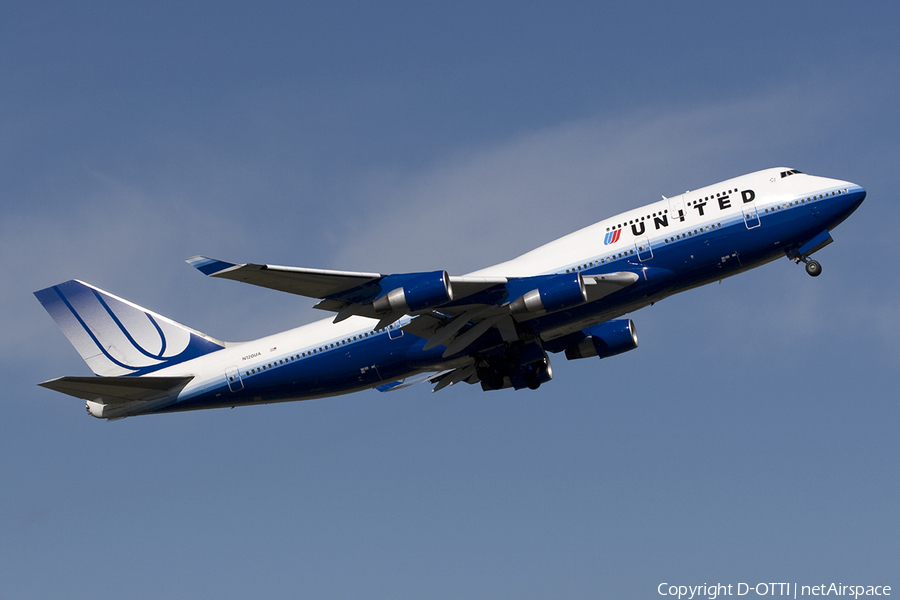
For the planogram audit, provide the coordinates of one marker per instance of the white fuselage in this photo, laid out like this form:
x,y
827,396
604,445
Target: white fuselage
x,y
668,235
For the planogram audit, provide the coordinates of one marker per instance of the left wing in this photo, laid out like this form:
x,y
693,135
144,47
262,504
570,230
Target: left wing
x,y
349,293
313,283
451,311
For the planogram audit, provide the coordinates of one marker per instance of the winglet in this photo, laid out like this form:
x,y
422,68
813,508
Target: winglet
x,y
209,266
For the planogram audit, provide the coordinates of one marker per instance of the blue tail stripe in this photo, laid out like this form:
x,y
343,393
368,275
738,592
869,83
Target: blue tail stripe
x,y
114,339
88,330
128,335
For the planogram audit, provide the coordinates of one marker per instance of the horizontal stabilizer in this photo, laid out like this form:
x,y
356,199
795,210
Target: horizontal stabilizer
x,y
119,397
116,390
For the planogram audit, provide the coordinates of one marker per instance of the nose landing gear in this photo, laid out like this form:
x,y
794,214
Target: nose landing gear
x,y
813,268
801,254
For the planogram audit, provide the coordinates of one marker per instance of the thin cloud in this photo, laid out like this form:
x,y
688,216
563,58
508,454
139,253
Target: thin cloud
x,y
478,206
485,205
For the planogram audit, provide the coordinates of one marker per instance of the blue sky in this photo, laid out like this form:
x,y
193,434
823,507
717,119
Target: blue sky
x,y
751,437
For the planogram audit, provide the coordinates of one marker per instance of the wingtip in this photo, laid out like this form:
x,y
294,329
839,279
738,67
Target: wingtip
x,y
208,266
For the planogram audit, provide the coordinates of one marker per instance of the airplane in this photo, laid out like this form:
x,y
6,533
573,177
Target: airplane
x,y
494,327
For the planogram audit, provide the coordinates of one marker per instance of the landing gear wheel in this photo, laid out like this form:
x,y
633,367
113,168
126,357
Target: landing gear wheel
x,y
813,268
531,379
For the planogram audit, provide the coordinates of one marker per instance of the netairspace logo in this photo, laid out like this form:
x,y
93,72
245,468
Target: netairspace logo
x,y
713,591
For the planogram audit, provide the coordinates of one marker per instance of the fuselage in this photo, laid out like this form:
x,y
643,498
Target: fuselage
x,y
673,245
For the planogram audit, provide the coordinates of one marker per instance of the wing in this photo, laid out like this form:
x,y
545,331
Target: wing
x,y
450,311
313,283
348,293
465,371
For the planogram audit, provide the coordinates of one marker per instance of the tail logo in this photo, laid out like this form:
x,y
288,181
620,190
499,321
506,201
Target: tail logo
x,y
116,337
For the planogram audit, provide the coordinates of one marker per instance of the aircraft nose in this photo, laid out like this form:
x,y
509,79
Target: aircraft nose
x,y
856,194
844,204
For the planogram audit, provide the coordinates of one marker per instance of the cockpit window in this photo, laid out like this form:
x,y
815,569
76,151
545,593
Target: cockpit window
x,y
791,172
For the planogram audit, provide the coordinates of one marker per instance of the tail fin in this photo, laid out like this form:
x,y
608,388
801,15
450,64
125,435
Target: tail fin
x,y
116,337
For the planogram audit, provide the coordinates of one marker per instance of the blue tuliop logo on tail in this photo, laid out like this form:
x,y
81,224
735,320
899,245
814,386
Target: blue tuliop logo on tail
x,y
116,337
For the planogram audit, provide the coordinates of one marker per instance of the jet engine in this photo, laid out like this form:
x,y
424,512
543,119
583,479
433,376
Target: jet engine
x,y
425,291
606,339
556,293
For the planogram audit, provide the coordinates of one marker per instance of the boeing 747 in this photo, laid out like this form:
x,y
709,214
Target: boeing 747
x,y
495,327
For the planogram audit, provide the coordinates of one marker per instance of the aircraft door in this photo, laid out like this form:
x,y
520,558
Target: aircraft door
x,y
642,248
676,209
233,376
751,215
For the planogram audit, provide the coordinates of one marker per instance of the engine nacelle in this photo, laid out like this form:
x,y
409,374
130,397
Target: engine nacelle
x,y
557,293
606,339
425,291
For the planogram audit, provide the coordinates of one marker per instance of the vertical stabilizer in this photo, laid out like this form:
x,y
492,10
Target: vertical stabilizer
x,y
116,337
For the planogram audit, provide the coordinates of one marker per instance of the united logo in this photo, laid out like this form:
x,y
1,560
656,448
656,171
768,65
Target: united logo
x,y
612,237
